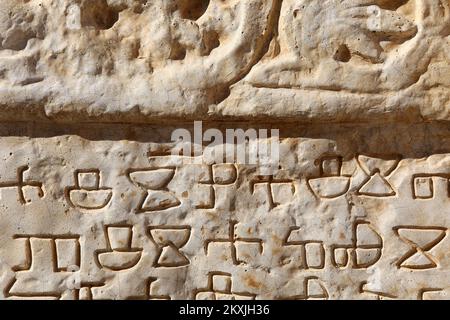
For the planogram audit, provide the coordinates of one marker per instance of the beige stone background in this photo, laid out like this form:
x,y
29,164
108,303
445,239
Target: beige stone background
x,y
93,206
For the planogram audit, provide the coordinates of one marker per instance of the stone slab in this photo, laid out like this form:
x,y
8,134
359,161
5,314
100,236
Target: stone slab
x,y
103,212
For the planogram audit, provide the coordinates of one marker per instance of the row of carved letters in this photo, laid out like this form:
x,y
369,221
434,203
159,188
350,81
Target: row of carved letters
x,y
364,249
219,287
88,194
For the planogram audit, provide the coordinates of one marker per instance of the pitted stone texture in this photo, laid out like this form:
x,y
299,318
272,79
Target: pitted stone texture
x,y
95,57
135,60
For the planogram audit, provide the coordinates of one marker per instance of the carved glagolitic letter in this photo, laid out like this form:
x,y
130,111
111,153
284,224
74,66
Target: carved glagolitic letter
x,y
87,194
119,254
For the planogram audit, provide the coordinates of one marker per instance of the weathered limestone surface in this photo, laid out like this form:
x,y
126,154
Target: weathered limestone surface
x,y
95,205
131,60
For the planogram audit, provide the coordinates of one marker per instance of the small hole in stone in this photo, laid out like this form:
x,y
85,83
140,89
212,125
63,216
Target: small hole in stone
x,y
178,52
210,42
16,40
342,54
98,15
192,9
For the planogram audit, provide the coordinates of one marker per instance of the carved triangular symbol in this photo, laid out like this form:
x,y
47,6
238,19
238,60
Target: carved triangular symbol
x,y
371,165
377,186
421,240
158,201
171,257
169,240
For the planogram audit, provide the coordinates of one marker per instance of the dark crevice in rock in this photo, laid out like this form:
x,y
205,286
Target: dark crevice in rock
x,y
98,14
192,9
342,54
211,40
178,51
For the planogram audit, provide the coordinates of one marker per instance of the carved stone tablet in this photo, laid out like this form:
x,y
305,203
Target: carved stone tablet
x,y
210,149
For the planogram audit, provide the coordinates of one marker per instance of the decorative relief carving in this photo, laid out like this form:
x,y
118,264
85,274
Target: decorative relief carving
x,y
354,46
181,58
185,47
